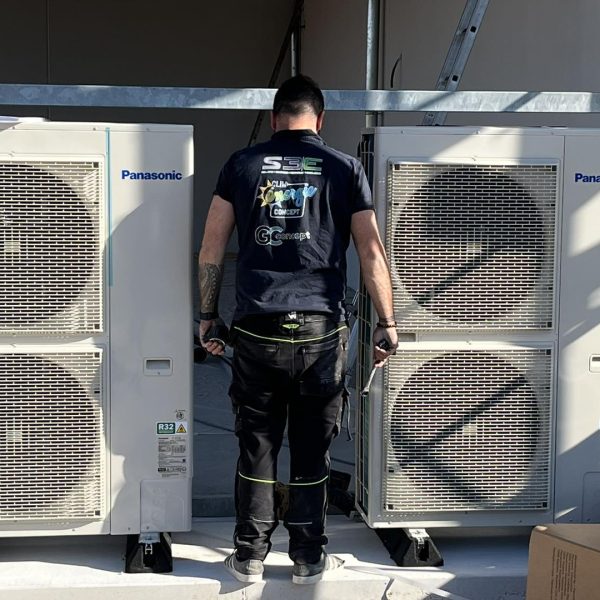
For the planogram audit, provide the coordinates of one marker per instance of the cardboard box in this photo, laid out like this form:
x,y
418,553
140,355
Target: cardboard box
x,y
564,563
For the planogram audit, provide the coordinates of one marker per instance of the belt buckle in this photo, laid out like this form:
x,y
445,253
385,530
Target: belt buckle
x,y
292,320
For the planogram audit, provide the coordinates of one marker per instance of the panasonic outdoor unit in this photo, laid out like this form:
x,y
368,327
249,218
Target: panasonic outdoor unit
x,y
95,336
489,413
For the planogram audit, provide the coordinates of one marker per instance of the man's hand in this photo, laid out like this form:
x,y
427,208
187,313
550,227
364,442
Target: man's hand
x,y
376,277
219,225
385,342
214,335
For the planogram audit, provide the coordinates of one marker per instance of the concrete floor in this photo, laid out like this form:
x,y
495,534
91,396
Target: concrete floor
x,y
90,568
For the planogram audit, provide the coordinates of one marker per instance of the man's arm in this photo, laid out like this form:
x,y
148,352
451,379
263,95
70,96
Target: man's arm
x,y
219,225
376,276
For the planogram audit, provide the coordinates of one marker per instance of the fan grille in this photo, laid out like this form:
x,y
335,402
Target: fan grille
x,y
467,430
52,436
50,247
472,246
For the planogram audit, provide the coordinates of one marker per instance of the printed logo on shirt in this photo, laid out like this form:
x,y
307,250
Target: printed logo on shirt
x,y
286,200
288,165
275,236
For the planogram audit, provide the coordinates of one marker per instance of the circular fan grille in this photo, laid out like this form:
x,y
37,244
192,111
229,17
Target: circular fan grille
x,y
469,244
51,438
468,430
49,244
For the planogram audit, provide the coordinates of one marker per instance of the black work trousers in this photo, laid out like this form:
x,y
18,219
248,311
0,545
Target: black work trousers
x,y
282,372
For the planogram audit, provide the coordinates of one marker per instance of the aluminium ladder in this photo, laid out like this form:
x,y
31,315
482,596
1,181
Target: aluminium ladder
x,y
458,54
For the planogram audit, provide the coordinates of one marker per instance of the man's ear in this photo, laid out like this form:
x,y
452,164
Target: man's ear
x,y
320,118
273,121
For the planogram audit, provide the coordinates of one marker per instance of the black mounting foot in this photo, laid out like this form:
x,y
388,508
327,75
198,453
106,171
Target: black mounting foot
x,y
149,553
410,547
339,496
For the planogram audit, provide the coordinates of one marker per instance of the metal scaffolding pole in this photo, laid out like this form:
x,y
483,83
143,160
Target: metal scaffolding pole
x,y
90,96
372,73
296,47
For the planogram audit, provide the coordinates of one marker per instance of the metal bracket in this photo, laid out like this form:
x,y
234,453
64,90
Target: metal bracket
x,y
410,547
147,540
149,552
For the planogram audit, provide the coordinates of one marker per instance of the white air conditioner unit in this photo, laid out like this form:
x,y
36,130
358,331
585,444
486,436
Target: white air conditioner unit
x,y
489,413
95,329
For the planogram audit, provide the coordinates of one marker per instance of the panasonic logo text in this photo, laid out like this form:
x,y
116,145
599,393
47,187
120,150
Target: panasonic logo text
x,y
583,178
152,175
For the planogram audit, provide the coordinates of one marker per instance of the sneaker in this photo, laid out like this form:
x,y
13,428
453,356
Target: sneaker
x,y
246,571
313,572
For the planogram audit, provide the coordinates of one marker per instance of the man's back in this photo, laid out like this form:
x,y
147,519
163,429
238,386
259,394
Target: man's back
x,y
293,198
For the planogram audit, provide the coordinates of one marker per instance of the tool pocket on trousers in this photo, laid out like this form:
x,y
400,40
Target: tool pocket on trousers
x,y
324,367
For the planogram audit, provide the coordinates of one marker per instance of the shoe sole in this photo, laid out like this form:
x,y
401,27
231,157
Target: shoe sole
x,y
298,580
244,578
309,579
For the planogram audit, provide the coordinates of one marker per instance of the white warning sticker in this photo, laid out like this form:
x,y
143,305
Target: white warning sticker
x,y
173,453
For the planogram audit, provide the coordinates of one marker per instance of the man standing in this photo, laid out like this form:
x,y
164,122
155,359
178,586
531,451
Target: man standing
x,y
295,202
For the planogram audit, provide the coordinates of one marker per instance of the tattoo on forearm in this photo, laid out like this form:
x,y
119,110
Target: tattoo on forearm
x,y
209,279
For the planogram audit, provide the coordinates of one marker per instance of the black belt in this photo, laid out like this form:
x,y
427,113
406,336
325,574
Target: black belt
x,y
292,317
267,324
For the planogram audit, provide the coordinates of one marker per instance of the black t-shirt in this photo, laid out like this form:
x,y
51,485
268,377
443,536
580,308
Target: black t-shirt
x,y
293,199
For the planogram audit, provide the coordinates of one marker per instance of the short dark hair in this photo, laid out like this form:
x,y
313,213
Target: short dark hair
x,y
298,95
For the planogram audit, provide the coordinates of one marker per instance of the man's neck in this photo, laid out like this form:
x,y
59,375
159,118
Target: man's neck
x,y
295,123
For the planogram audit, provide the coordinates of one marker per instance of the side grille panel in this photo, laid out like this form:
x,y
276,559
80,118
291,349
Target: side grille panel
x,y
52,436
